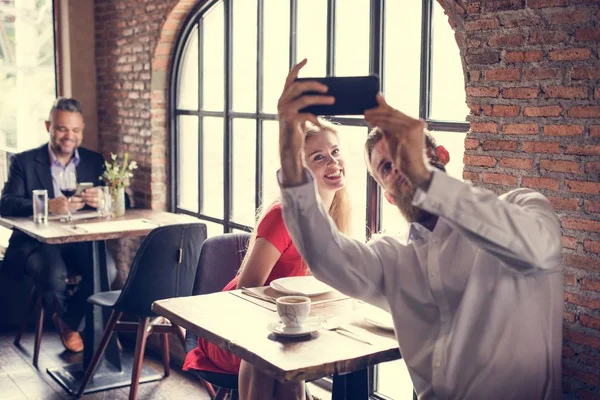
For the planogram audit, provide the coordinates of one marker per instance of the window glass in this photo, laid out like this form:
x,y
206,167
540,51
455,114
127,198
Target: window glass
x,y
448,99
312,37
244,55
352,38
26,67
244,171
276,51
187,155
187,98
213,184
213,59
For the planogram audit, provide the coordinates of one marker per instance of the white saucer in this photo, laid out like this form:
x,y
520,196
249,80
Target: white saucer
x,y
381,322
307,328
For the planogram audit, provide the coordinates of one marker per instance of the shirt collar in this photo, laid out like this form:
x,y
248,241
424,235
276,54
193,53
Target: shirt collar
x,y
418,232
54,161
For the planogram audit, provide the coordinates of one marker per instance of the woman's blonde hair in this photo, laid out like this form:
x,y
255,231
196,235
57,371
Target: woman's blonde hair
x,y
340,210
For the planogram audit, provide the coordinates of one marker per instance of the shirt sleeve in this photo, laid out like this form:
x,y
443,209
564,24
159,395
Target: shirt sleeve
x,y
520,227
351,266
272,228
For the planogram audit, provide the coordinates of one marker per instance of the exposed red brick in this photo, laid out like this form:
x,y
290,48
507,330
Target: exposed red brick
x,y
597,93
520,129
560,203
567,17
567,352
588,34
585,73
569,317
567,92
499,179
592,206
581,375
583,187
588,150
581,224
517,163
595,131
548,37
541,147
546,3
482,24
503,145
471,144
504,41
485,57
546,111
577,54
499,110
569,242
523,56
590,322
590,284
591,361
581,338
580,300
592,246
511,74
502,5
479,161
538,74
560,166
563,130
474,76
482,91
474,8
520,93
540,183
471,176
592,167
484,127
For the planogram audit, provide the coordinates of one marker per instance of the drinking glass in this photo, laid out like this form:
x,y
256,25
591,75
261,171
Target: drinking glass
x,y
40,206
67,184
105,202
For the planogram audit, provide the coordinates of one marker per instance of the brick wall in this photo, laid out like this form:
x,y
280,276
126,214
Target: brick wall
x,y
532,74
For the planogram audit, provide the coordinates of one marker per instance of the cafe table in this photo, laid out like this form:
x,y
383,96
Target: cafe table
x,y
115,368
239,324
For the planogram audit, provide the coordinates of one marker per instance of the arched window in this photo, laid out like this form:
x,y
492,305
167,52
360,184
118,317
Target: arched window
x,y
230,64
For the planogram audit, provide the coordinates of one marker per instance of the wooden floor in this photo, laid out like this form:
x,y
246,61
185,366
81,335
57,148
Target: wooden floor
x,y
19,379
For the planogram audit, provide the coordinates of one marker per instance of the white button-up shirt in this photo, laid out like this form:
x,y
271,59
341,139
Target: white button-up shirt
x,y
477,303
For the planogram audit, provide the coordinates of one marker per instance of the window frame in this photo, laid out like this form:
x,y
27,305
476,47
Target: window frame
x,y
376,63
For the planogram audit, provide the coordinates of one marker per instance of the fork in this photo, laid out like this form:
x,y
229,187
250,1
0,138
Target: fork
x,y
328,325
259,296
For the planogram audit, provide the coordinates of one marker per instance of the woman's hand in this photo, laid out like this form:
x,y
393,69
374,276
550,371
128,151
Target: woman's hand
x,y
405,139
291,121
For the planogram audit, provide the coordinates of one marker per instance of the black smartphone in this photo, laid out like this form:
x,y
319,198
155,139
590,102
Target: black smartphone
x,y
353,95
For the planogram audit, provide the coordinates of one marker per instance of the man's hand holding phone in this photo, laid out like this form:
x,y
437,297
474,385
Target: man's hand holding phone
x,y
92,196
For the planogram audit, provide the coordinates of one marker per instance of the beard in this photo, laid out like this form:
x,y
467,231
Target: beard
x,y
403,195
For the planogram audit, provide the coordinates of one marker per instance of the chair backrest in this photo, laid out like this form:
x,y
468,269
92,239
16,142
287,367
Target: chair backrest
x,y
220,258
164,267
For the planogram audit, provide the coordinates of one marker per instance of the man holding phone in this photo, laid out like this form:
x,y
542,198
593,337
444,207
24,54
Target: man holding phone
x,y
477,294
50,167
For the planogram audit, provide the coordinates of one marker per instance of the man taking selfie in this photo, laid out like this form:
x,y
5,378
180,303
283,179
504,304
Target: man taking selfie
x,y
477,294
49,265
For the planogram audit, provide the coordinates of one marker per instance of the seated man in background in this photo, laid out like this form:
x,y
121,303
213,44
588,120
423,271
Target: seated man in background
x,y
49,265
476,296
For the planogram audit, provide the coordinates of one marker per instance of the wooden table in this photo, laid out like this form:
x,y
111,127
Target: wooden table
x,y
240,326
114,370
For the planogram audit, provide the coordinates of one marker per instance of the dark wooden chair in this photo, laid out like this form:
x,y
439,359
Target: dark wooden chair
x,y
164,267
220,259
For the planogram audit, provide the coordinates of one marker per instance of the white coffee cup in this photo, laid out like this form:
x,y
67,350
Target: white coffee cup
x,y
293,310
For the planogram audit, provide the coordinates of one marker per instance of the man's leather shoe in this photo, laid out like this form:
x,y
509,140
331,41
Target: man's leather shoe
x,y
71,339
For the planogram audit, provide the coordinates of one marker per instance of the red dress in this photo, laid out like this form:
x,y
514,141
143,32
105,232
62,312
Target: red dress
x,y
209,357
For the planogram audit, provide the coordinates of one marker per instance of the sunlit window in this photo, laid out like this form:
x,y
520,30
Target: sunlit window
x,y
26,67
231,63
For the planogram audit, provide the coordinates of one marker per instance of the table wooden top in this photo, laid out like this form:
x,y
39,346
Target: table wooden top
x,y
56,232
240,326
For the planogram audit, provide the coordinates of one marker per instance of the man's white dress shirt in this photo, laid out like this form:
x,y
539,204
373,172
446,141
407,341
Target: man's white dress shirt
x,y
477,303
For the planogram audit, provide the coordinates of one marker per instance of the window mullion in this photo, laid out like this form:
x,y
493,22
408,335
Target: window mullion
x,y
425,88
227,140
260,16
200,118
331,37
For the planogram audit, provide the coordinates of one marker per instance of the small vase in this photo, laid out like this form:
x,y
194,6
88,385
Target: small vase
x,y
118,201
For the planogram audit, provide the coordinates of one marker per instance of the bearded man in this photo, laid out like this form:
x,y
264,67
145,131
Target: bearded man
x,y
476,295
